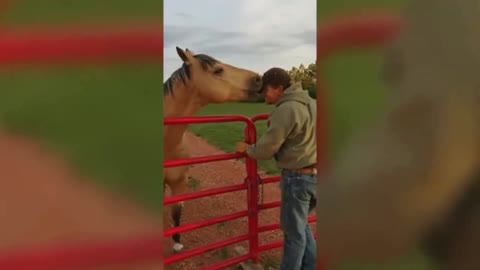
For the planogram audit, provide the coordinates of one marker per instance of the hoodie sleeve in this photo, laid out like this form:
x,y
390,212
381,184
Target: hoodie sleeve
x,y
282,121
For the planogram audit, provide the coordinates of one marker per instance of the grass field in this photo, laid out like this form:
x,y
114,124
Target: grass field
x,y
107,119
225,135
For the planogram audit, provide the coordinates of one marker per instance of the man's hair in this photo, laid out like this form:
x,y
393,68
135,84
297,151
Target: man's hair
x,y
276,77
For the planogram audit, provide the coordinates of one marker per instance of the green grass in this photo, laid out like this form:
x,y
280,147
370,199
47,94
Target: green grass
x,y
26,12
193,183
270,262
225,135
106,120
355,94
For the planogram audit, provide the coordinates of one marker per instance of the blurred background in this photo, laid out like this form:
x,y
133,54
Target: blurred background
x,y
105,118
355,96
80,145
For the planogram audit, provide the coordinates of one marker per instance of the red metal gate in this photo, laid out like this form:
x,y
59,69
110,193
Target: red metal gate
x,y
251,184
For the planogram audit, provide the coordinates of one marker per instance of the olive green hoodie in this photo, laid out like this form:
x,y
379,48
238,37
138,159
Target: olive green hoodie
x,y
290,137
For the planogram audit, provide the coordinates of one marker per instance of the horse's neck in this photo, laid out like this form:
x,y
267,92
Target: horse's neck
x,y
180,103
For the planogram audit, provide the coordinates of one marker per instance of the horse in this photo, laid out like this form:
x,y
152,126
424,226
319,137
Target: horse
x,y
410,180
201,80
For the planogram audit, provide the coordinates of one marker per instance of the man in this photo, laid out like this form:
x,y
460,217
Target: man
x,y
290,139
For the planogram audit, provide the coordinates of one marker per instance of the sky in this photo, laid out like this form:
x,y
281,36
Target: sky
x,y
251,34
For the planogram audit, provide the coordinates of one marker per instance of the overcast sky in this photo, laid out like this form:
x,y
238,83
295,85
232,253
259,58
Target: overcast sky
x,y
253,34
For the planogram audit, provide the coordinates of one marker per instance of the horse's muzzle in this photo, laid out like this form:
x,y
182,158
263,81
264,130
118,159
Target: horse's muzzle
x,y
256,83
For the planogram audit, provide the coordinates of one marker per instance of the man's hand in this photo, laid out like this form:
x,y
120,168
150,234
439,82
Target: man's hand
x,y
241,147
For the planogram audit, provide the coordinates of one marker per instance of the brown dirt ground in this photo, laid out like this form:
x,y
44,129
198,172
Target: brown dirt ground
x,y
213,175
43,202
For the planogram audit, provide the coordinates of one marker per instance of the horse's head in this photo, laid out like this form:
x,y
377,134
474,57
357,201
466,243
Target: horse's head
x,y
217,82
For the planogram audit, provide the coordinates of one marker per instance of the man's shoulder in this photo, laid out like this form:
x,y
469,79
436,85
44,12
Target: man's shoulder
x,y
292,104
288,110
284,107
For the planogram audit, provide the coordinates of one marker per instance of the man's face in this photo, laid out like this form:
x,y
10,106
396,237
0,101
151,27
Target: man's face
x,y
272,94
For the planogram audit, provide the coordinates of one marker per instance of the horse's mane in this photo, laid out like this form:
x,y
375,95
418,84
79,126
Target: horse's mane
x,y
183,73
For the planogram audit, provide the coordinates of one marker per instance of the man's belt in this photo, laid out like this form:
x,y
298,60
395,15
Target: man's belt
x,y
310,169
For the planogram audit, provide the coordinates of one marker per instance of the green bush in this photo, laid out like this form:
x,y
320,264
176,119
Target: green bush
x,y
312,91
260,99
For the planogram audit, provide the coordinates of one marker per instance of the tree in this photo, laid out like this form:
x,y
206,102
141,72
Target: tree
x,y
307,76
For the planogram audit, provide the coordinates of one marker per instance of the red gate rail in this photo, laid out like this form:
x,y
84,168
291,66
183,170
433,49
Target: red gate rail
x,y
61,257
203,193
199,160
203,120
79,44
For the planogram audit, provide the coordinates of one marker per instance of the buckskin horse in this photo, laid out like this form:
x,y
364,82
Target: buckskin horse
x,y
201,80
411,179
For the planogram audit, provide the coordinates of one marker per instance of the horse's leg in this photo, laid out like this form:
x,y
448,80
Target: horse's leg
x,y
178,187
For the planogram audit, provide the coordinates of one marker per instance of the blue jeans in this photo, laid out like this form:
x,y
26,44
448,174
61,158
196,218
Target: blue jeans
x,y
298,199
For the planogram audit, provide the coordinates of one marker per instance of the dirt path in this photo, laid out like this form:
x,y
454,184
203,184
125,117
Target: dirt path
x,y
44,202
212,175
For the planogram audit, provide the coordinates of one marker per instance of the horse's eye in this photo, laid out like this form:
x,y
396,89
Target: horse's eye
x,y
218,71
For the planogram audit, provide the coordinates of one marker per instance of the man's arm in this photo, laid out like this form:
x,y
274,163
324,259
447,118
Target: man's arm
x,y
282,122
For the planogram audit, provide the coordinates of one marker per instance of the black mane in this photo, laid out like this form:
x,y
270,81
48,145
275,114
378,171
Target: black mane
x,y
183,73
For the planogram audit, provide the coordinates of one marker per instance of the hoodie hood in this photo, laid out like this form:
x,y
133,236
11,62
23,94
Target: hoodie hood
x,y
294,93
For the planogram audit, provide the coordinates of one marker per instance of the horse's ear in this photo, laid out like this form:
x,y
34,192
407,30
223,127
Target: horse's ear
x,y
189,52
182,55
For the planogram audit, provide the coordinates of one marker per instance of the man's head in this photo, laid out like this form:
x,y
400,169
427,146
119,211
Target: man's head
x,y
275,81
